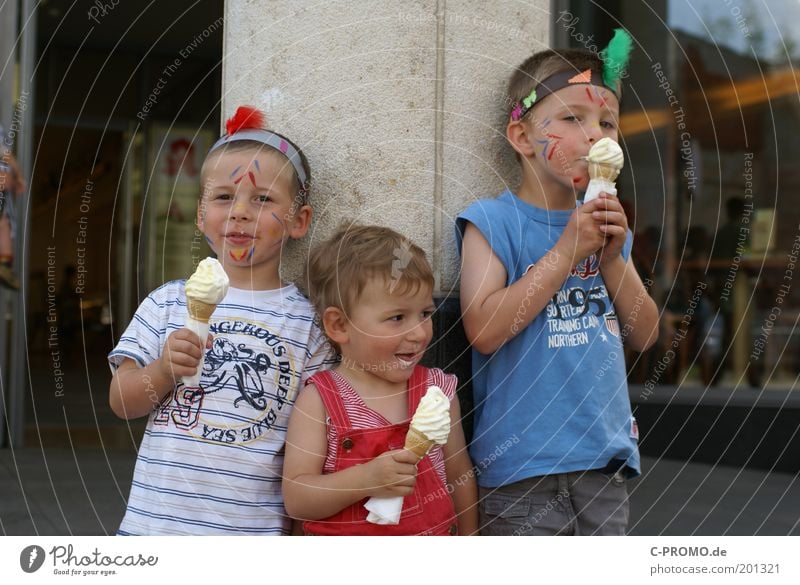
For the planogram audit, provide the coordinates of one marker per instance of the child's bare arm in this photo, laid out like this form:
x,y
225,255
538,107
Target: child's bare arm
x,y
493,312
311,495
636,310
461,475
135,391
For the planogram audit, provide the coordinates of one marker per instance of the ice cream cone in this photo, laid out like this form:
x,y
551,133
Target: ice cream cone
x,y
603,171
418,442
198,310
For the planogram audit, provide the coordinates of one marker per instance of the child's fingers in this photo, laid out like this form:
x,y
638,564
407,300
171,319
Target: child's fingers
x,y
405,456
615,217
184,347
177,358
209,341
613,230
186,335
610,203
401,490
407,479
593,205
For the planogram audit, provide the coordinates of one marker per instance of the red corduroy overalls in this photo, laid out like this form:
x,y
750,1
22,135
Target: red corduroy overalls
x,y
428,510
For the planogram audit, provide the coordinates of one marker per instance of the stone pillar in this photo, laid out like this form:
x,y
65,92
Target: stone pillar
x,y
400,107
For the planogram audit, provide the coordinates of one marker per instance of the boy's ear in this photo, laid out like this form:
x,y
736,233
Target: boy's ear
x,y
301,222
335,323
520,136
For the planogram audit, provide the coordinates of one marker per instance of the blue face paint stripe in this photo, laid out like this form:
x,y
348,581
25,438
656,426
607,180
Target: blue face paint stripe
x,y
546,146
258,167
236,170
276,217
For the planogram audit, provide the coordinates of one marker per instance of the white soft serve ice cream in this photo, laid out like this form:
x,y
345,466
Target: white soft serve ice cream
x,y
606,151
432,417
209,283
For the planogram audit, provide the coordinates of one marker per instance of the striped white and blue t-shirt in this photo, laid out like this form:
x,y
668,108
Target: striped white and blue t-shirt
x,y
211,461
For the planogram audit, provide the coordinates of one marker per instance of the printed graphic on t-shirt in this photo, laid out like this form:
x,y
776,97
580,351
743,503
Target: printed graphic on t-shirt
x,y
588,268
249,372
575,313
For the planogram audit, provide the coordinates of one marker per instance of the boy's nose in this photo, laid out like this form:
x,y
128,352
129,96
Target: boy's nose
x,y
240,211
594,133
419,332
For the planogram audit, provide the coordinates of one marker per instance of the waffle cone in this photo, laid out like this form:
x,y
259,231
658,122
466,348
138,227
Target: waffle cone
x,y
199,311
418,442
603,171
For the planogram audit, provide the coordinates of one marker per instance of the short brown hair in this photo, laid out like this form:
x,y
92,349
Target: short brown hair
x,y
339,268
543,64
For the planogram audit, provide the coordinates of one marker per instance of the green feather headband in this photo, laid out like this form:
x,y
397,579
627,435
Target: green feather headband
x,y
615,59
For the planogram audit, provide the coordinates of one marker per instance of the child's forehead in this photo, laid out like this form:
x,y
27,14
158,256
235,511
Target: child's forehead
x,y
261,161
582,95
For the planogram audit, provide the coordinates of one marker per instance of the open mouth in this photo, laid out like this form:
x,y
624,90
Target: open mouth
x,y
239,239
407,359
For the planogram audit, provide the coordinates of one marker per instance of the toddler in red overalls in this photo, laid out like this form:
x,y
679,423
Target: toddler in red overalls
x,y
373,291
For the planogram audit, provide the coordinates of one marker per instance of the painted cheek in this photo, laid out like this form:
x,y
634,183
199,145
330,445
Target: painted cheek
x,y
276,229
543,153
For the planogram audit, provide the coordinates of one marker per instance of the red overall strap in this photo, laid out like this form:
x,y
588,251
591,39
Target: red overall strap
x,y
326,387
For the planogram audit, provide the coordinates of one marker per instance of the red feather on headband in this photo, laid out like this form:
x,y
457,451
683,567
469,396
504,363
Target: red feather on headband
x,y
245,118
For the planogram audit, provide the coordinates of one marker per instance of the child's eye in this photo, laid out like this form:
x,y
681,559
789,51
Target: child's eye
x,y
570,118
224,196
427,314
396,318
608,125
264,198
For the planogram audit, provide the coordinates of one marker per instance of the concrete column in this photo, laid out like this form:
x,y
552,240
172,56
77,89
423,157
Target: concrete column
x,y
400,107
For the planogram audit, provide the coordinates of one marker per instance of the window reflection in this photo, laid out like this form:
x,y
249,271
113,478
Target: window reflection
x,y
710,121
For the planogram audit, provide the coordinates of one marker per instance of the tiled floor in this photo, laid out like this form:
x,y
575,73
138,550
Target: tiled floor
x,y
61,492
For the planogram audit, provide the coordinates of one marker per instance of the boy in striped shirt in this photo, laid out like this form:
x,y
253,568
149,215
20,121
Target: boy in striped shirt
x,y
211,458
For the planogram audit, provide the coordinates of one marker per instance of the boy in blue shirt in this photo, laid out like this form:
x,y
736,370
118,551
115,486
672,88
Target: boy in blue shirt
x,y
548,294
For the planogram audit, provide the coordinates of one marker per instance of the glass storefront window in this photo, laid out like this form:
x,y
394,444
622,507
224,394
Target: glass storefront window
x,y
709,124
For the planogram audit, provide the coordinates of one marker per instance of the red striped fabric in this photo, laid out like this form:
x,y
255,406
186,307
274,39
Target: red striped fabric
x,y
363,417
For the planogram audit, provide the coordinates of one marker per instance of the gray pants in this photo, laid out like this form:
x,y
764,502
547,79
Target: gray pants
x,y
579,503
